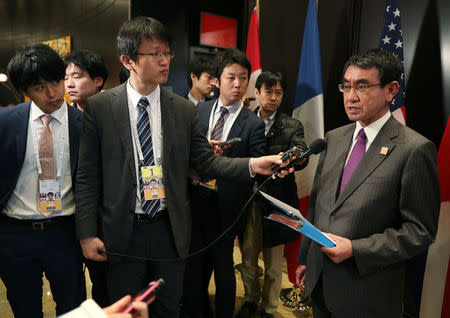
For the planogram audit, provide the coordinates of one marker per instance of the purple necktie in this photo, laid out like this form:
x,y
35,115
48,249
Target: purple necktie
x,y
355,157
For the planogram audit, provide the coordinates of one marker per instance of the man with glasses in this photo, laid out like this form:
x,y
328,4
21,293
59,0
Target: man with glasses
x,y
376,194
132,134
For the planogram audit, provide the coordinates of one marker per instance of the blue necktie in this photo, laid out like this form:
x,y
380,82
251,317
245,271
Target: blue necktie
x,y
150,207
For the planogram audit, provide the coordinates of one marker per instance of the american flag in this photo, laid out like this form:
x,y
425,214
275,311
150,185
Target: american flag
x,y
392,40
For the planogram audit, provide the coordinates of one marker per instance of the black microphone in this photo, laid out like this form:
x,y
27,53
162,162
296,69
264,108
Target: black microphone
x,y
316,147
294,151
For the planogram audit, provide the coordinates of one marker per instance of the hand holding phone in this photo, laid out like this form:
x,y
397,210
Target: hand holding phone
x,y
147,295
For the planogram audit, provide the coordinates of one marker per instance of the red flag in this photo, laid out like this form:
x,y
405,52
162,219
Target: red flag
x,y
253,53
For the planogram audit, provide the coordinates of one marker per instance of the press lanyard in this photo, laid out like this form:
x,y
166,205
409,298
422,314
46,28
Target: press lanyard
x,y
61,147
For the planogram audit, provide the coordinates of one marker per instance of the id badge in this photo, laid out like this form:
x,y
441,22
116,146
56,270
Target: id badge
x,y
152,177
211,184
49,197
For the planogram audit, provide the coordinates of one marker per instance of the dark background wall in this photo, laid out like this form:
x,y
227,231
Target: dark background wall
x,y
92,24
345,27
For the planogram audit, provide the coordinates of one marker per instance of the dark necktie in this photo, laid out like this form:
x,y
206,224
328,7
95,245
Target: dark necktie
x,y
355,157
150,207
216,133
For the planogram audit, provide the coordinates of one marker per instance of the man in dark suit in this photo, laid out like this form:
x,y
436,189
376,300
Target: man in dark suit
x,y
235,120
86,73
200,79
376,191
39,146
281,133
133,133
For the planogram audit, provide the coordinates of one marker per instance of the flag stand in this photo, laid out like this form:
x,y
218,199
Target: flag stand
x,y
292,299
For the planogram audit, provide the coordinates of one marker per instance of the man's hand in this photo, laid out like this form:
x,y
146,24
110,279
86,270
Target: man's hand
x,y
217,150
91,247
342,251
116,309
263,165
300,275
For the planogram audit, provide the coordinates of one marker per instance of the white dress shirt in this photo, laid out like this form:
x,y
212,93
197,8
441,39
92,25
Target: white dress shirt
x,y
371,131
268,121
23,202
154,113
233,111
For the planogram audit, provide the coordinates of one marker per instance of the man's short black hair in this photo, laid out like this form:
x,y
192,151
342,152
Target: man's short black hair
x,y
197,67
269,79
228,57
35,62
388,65
88,61
132,32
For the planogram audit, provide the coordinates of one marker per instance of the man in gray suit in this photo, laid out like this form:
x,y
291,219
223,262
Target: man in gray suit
x,y
132,134
376,192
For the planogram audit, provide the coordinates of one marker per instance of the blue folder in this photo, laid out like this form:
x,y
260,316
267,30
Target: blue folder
x,y
303,226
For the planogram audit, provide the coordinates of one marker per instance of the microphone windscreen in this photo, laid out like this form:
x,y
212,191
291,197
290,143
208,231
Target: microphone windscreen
x,y
317,146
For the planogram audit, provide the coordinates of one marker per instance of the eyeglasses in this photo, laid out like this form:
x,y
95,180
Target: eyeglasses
x,y
359,88
159,55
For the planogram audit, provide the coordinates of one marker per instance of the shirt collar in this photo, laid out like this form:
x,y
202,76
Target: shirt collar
x,y
232,108
270,118
134,95
373,129
192,99
58,114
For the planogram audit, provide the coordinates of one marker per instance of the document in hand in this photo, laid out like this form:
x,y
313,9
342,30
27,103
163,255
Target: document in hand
x,y
291,217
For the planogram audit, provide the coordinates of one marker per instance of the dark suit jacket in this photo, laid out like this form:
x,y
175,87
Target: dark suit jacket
x,y
389,210
285,133
13,136
106,184
232,195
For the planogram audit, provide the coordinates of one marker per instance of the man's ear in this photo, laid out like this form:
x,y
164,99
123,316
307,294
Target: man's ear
x,y
256,91
98,82
192,75
392,89
127,62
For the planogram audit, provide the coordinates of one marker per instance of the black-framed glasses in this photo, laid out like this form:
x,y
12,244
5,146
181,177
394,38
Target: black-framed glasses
x,y
359,88
159,55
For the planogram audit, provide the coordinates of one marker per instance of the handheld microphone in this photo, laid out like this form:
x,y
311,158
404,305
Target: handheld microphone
x,y
294,151
316,147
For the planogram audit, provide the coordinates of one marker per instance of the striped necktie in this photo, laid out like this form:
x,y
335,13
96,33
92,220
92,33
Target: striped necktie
x,y
150,207
216,133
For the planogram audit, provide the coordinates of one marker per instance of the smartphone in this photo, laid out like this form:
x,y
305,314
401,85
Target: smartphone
x,y
147,295
229,142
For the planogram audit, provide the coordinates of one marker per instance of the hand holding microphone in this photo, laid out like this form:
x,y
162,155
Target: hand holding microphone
x,y
316,147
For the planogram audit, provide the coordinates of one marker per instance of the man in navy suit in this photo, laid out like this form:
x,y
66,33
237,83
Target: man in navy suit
x,y
215,211
39,150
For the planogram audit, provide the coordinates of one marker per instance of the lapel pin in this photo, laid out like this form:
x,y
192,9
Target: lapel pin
x,y
384,150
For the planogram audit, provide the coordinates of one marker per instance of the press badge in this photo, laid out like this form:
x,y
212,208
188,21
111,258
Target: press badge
x,y
152,177
211,184
49,197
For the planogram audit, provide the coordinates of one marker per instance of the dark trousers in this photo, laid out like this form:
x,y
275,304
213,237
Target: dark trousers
x,y
127,276
97,274
27,253
320,309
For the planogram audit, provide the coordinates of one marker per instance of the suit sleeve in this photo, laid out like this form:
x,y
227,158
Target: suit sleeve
x,y
88,188
203,160
419,213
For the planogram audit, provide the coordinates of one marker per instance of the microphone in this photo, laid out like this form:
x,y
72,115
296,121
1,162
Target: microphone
x,y
316,147
294,151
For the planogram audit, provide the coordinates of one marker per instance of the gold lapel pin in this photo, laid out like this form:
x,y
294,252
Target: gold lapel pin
x,y
384,150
